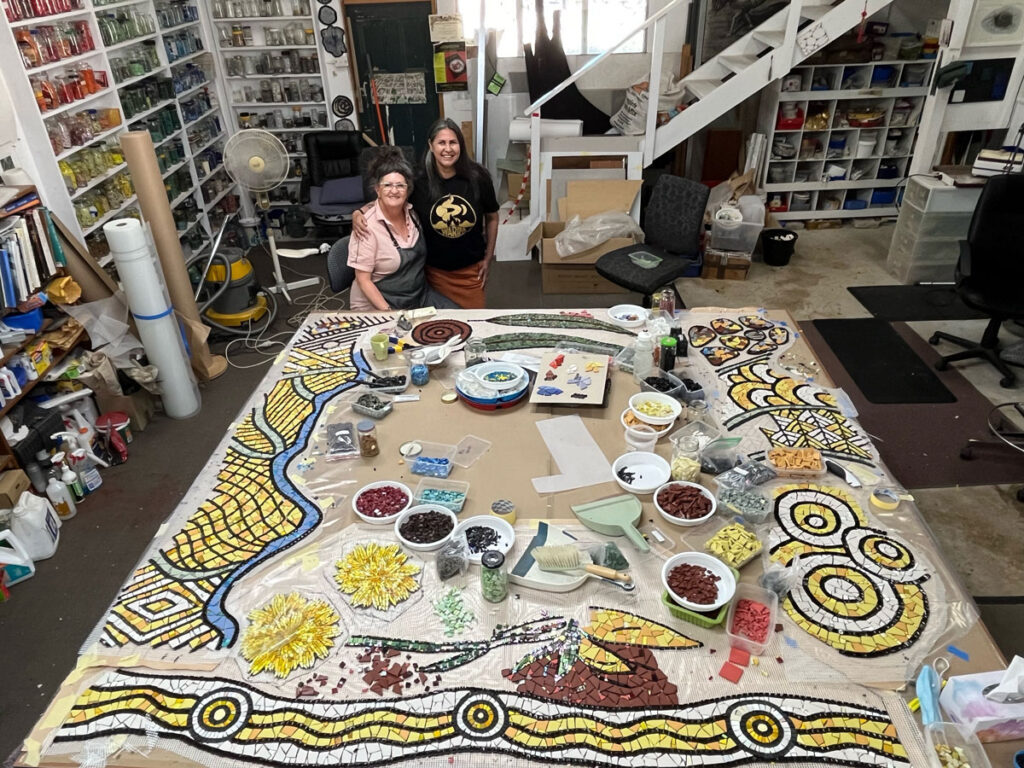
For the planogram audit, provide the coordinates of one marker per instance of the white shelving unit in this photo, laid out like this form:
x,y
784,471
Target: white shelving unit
x,y
165,82
840,137
273,73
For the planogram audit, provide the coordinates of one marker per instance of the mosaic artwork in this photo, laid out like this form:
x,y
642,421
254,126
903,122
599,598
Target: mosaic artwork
x,y
440,331
230,719
860,589
377,575
288,633
735,338
566,321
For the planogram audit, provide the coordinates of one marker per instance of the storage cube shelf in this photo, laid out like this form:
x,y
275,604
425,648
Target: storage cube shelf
x,y
840,137
151,68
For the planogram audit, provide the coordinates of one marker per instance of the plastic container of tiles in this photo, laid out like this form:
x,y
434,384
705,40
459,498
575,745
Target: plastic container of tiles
x,y
758,595
744,561
433,483
677,385
394,370
952,735
432,451
754,518
373,413
798,474
700,619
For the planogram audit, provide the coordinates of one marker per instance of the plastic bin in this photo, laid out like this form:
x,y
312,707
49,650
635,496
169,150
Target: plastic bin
x,y
734,235
934,225
429,461
395,370
760,595
431,483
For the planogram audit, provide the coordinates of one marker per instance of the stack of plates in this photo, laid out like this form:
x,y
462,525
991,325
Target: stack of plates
x,y
493,385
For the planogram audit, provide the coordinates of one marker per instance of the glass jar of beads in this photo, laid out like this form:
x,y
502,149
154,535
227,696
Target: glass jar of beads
x,y
418,370
493,577
368,445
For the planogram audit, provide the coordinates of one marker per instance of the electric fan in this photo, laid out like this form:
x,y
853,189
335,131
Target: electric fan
x,y
258,162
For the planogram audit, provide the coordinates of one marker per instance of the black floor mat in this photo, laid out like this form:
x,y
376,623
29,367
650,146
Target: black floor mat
x,y
881,364
913,302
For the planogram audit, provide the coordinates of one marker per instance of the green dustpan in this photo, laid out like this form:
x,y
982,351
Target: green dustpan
x,y
616,516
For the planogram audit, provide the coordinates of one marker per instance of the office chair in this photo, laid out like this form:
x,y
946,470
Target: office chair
x,y
340,275
333,187
672,225
990,271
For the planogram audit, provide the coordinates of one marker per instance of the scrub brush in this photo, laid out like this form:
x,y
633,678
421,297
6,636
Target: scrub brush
x,y
565,557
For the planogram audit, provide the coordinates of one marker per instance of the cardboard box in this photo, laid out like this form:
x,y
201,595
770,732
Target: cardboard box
x,y
13,483
725,265
138,405
575,273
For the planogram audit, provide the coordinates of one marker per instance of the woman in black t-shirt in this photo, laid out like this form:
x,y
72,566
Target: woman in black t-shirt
x,y
458,210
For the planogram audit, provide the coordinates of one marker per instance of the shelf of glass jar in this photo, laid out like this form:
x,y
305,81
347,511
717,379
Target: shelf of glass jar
x,y
59,93
237,10
112,214
244,36
90,167
282,92
69,133
21,20
266,64
297,120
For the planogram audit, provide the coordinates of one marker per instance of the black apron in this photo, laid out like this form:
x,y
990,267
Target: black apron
x,y
406,287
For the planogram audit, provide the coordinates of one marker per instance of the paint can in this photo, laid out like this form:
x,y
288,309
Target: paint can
x,y
117,421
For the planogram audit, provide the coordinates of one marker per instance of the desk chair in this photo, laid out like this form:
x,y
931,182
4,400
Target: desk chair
x,y
990,271
333,187
340,275
672,225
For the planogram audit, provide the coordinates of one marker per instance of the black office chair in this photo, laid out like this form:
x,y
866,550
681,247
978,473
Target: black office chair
x,y
990,271
340,275
672,225
333,187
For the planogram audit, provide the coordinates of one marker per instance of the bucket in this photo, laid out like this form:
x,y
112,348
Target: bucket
x,y
777,246
118,421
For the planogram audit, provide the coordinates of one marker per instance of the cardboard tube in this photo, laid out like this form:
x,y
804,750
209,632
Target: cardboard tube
x,y
156,210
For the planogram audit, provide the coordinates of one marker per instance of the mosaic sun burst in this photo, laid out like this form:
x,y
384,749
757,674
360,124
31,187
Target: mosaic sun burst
x,y
287,633
378,575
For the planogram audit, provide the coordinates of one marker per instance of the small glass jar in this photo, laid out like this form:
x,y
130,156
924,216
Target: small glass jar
x,y
368,445
475,352
493,577
418,370
697,410
685,458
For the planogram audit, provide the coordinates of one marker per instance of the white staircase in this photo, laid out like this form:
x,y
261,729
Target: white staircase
x,y
763,55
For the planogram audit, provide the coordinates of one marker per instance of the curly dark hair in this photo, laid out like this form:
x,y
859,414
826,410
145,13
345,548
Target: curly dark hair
x,y
388,159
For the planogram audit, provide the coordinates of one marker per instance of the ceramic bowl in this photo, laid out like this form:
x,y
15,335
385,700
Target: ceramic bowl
x,y
657,397
726,581
682,520
430,546
650,471
506,533
387,520
628,315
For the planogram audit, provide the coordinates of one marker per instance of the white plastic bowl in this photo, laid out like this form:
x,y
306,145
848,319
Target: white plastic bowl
x,y
387,520
726,581
431,546
506,533
682,520
661,429
657,397
628,315
651,471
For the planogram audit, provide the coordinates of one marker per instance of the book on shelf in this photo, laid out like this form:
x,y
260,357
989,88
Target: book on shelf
x,y
28,255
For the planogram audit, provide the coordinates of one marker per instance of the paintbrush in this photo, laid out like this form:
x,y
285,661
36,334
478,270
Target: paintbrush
x,y
566,557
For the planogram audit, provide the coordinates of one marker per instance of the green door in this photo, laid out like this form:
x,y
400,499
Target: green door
x,y
392,45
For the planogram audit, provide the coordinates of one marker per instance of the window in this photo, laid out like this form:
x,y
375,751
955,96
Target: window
x,y
588,26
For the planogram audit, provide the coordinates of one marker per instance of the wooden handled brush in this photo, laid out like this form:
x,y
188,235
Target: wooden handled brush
x,y
566,557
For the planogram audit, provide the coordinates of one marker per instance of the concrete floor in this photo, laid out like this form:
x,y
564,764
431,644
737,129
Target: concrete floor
x,y
50,616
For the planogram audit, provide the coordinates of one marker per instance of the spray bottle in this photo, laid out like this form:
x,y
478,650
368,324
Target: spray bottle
x,y
87,472
76,441
69,478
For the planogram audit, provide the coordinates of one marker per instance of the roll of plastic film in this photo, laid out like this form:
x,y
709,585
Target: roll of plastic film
x,y
885,499
504,509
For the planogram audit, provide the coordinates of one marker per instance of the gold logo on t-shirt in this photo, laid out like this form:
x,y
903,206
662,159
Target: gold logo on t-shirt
x,y
452,216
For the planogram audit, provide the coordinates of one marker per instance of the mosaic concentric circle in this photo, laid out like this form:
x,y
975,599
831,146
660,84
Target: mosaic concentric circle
x,y
815,518
480,716
843,598
761,728
882,555
440,331
220,715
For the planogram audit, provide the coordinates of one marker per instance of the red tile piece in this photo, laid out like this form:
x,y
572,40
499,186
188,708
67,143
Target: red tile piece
x,y
739,656
731,672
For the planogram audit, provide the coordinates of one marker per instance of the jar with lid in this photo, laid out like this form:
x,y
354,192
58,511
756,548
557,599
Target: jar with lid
x,y
418,370
685,458
493,577
368,445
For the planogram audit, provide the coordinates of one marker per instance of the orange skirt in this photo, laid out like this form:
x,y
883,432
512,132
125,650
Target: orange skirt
x,y
463,286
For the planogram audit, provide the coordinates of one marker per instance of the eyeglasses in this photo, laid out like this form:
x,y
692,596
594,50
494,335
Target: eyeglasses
x,y
394,185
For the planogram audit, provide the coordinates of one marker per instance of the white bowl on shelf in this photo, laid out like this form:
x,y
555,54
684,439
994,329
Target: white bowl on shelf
x,y
386,519
726,581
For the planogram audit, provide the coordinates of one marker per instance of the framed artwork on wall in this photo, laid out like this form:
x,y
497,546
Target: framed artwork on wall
x,y
996,22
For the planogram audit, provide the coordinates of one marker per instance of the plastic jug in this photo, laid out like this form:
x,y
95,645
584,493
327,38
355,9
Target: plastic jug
x,y
15,559
37,526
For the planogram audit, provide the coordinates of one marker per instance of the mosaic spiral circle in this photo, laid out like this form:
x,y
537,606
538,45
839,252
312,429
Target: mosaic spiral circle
x,y
815,518
440,331
480,716
761,728
220,715
882,555
843,598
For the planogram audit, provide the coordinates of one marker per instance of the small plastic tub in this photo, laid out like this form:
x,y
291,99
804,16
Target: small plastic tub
x,y
706,620
756,594
427,546
433,460
395,370
370,411
939,735
754,507
717,545
704,432
780,459
674,390
448,493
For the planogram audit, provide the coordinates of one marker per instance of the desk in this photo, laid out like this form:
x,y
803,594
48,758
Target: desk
x,y
199,649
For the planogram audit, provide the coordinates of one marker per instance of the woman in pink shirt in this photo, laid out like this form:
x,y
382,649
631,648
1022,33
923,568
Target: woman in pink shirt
x,y
389,262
